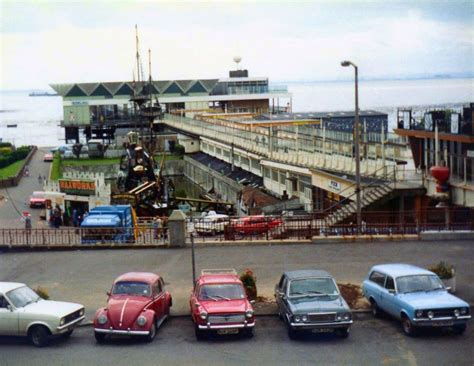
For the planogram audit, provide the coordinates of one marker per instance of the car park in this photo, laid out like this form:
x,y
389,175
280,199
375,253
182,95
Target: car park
x,y
309,300
137,305
24,313
415,296
220,305
37,199
253,225
211,224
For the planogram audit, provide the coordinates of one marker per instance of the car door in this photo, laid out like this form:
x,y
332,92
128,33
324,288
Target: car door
x,y
159,299
375,286
389,297
278,291
281,296
9,319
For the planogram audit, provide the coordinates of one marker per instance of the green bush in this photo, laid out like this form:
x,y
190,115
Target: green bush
x,y
5,150
444,270
249,281
5,144
14,155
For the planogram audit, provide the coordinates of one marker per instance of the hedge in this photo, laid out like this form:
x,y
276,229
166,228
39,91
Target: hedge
x,y
18,154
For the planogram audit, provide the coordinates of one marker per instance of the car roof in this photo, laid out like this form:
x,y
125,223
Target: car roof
x,y
304,273
8,286
147,277
400,269
218,278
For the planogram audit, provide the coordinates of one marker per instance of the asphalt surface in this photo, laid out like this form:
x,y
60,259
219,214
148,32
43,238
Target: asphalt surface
x,y
85,276
16,199
371,342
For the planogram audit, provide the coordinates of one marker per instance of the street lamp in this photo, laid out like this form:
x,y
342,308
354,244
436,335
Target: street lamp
x,y
357,136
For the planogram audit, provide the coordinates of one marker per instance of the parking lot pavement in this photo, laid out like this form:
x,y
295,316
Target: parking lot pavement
x,y
372,342
85,276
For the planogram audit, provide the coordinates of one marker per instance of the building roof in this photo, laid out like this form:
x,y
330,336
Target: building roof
x,y
400,269
139,277
8,286
254,197
305,273
239,175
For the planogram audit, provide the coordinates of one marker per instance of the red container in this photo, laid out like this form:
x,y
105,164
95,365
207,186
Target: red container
x,y
441,173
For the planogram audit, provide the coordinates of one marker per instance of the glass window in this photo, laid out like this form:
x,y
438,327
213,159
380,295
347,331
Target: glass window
x,y
221,292
266,172
377,278
280,284
313,286
275,175
282,178
22,296
131,288
419,283
3,303
389,283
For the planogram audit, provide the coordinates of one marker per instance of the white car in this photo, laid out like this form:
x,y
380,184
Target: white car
x,y
24,313
211,224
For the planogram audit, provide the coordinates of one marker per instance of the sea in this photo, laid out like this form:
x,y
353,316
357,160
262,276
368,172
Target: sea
x,y
37,119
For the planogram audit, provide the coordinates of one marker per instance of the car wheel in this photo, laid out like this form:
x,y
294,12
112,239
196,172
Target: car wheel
x,y
342,332
152,334
407,326
39,336
459,329
199,333
376,312
248,333
99,337
292,333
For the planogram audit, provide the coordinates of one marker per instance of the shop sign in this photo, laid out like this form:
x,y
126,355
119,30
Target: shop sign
x,y
470,153
77,187
336,186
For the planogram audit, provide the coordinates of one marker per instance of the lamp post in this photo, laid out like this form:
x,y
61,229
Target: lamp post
x,y
357,137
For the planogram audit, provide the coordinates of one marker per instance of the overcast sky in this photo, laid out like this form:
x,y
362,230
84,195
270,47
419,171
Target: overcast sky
x,y
45,42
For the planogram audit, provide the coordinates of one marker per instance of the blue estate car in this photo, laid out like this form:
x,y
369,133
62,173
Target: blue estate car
x,y
309,300
416,296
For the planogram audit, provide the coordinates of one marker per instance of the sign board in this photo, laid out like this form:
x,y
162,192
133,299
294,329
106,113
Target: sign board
x,y
336,186
124,199
79,102
470,153
455,123
77,187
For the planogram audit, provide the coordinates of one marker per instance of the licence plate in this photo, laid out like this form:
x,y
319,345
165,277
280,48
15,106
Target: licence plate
x,y
442,323
228,331
322,330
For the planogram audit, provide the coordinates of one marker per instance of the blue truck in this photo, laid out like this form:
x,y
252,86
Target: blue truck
x,y
109,224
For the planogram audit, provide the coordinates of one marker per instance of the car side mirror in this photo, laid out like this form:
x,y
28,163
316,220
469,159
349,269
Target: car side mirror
x,y
449,288
391,292
108,293
252,302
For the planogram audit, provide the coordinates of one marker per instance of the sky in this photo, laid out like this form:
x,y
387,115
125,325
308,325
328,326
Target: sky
x,y
44,42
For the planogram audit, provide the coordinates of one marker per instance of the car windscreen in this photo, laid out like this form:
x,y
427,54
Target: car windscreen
x,y
132,288
313,286
22,296
418,283
227,291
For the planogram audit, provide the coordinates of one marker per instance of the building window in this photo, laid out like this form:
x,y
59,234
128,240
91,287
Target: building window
x,y
282,178
275,175
266,173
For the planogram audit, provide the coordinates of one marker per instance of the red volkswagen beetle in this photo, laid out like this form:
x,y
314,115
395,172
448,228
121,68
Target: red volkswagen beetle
x,y
219,304
138,304
257,224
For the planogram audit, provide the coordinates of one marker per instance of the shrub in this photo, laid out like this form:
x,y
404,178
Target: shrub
x,y
179,150
444,270
5,144
42,292
249,281
5,150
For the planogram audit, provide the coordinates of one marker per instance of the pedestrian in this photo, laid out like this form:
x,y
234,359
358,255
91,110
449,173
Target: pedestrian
x,y
28,222
75,217
27,172
57,217
44,178
158,228
40,179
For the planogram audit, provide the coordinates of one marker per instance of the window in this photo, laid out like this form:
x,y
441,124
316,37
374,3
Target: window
x,y
377,278
280,284
266,172
275,175
3,303
389,283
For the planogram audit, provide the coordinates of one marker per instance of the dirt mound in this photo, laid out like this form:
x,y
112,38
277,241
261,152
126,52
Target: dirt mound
x,y
353,296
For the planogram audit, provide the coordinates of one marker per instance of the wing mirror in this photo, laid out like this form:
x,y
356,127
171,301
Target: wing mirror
x,y
252,302
391,292
449,288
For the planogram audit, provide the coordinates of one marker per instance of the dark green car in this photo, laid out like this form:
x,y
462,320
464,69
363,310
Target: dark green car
x,y
309,300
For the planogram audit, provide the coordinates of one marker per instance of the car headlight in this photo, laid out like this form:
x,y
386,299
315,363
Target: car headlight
x,y
347,316
297,318
141,321
102,319
419,313
430,314
249,313
339,317
456,312
62,321
463,311
203,315
304,318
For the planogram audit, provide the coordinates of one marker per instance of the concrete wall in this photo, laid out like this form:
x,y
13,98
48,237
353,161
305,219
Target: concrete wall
x,y
108,170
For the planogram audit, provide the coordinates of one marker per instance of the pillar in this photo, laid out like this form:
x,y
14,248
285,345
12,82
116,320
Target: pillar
x,y
177,229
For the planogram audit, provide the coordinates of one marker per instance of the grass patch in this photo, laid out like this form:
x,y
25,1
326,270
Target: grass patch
x,y
11,170
88,162
168,157
56,168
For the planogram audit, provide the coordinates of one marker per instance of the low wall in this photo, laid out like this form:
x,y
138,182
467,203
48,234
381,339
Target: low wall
x,y
13,181
109,170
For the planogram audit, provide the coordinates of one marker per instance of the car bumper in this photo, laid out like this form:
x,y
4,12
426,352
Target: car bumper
x,y
310,326
226,326
122,332
67,327
447,321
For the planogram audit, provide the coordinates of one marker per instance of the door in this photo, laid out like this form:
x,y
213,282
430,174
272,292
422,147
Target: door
x,y
158,299
389,299
375,287
8,318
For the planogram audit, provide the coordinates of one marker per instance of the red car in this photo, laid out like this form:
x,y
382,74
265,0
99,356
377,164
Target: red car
x,y
138,304
258,224
37,200
219,304
48,157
